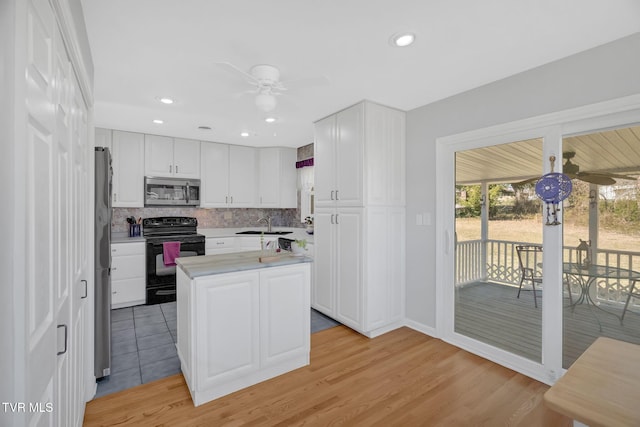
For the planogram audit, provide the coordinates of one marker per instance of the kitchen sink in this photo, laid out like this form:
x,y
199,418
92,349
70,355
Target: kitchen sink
x,y
265,232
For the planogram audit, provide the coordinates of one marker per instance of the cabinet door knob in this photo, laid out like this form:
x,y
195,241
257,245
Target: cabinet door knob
x,y
176,168
337,219
332,191
85,289
337,195
169,168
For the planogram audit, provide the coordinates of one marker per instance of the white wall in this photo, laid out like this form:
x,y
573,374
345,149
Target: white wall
x,y
607,72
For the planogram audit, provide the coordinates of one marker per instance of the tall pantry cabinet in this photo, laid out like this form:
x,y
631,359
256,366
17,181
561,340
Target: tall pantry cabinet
x,y
360,217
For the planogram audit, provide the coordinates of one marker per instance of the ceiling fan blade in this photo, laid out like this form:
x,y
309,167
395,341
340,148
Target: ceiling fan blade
x,y
235,70
617,176
595,178
304,83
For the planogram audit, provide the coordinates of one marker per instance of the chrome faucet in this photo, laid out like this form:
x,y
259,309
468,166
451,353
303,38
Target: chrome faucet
x,y
267,220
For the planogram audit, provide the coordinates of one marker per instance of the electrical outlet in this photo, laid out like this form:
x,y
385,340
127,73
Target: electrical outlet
x,y
228,215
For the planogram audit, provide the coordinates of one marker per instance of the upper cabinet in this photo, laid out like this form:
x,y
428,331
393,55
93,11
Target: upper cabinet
x,y
277,178
128,169
359,157
228,176
171,157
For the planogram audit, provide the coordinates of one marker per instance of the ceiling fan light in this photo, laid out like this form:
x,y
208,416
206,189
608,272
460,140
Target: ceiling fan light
x,y
265,102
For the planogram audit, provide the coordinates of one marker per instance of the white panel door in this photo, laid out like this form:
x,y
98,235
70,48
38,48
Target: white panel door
x,y
158,156
82,154
186,158
226,327
324,160
349,267
243,166
349,156
214,171
324,238
43,296
128,169
64,174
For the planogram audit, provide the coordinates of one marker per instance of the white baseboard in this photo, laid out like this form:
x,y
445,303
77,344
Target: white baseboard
x,y
427,330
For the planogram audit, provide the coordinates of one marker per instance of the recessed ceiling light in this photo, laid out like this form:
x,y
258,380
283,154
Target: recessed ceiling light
x,y
244,134
166,100
402,39
270,119
158,121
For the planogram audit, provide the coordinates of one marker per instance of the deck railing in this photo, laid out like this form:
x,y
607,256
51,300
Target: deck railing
x,y
502,266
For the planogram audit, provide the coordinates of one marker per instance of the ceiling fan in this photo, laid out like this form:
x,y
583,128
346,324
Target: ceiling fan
x,y
572,170
266,83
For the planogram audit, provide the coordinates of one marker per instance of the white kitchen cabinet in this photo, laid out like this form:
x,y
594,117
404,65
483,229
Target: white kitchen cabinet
x,y
228,176
359,218
128,169
171,157
338,257
220,245
103,138
339,154
243,165
359,267
277,179
240,328
127,274
359,157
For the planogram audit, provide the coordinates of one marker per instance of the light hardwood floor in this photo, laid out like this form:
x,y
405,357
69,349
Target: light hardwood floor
x,y
402,378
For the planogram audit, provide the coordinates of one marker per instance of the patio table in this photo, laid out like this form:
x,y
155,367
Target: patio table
x,y
587,276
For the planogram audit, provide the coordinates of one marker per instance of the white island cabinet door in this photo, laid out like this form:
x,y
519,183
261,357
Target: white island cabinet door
x,y
284,314
226,328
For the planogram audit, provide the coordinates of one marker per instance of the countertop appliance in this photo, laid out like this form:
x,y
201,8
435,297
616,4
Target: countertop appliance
x,y
102,253
161,279
171,191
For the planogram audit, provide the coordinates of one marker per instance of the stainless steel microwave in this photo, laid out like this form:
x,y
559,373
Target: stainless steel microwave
x,y
171,191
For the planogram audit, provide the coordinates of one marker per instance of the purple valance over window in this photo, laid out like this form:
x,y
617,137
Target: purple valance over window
x,y
304,163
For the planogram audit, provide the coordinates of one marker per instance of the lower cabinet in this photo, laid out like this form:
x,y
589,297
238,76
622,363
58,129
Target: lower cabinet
x,y
219,245
127,274
238,329
359,267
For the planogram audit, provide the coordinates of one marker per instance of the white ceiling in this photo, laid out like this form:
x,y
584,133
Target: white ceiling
x,y
144,49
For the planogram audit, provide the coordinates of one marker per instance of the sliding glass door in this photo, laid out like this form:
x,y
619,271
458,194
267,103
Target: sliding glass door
x,y
498,240
601,256
498,258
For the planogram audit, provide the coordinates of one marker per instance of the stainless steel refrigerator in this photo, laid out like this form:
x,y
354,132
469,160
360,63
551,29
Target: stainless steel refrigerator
x,y
102,355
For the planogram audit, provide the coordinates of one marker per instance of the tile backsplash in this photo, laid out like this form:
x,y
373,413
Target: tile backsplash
x,y
211,218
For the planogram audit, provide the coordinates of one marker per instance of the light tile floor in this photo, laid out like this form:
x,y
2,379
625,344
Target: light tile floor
x,y
143,345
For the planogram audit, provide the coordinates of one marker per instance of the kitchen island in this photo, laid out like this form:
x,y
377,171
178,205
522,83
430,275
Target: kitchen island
x,y
241,321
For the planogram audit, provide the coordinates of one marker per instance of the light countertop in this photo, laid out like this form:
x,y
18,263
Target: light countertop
x,y
123,237
297,234
238,261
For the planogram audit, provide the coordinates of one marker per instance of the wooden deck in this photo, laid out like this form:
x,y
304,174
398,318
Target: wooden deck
x,y
491,313
401,378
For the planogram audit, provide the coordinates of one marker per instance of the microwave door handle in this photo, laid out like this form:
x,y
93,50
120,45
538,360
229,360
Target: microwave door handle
x,y
187,193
